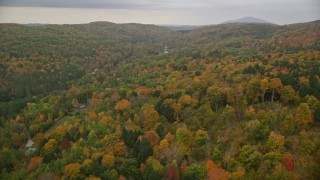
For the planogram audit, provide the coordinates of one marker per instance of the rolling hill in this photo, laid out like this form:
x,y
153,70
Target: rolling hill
x,y
104,101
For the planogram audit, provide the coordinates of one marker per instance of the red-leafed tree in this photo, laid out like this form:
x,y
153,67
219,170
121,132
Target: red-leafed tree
x,y
152,137
288,163
172,173
65,144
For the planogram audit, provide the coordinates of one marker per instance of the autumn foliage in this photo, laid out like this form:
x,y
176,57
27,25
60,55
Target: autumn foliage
x,y
65,144
215,173
288,163
34,163
152,137
122,105
72,170
104,101
119,149
172,173
108,159
303,115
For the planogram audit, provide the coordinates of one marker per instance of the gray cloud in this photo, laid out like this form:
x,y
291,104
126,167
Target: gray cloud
x,y
163,4
161,11
72,3
110,4
136,4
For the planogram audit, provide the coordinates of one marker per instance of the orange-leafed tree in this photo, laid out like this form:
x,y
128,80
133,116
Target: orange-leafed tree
x,y
185,100
122,105
210,164
34,163
108,159
72,170
214,172
217,174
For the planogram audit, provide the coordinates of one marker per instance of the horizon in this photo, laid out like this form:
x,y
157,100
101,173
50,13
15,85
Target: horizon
x,y
175,12
164,25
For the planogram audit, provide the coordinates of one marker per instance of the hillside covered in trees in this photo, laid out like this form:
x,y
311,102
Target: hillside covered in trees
x,y
104,100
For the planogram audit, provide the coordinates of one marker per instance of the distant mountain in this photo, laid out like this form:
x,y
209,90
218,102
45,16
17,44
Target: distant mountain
x,y
181,27
34,24
247,20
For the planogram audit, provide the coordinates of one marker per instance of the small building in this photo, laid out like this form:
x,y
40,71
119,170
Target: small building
x,y
30,148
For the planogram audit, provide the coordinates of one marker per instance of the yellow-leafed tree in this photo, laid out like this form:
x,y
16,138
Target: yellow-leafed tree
x,y
108,159
303,115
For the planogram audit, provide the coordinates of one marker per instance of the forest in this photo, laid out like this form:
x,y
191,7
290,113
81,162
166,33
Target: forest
x,y
136,101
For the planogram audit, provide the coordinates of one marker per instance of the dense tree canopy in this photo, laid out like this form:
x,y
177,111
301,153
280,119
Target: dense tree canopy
x,y
103,101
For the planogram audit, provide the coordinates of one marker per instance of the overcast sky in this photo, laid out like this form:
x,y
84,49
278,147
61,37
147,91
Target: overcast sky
x,y
192,12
